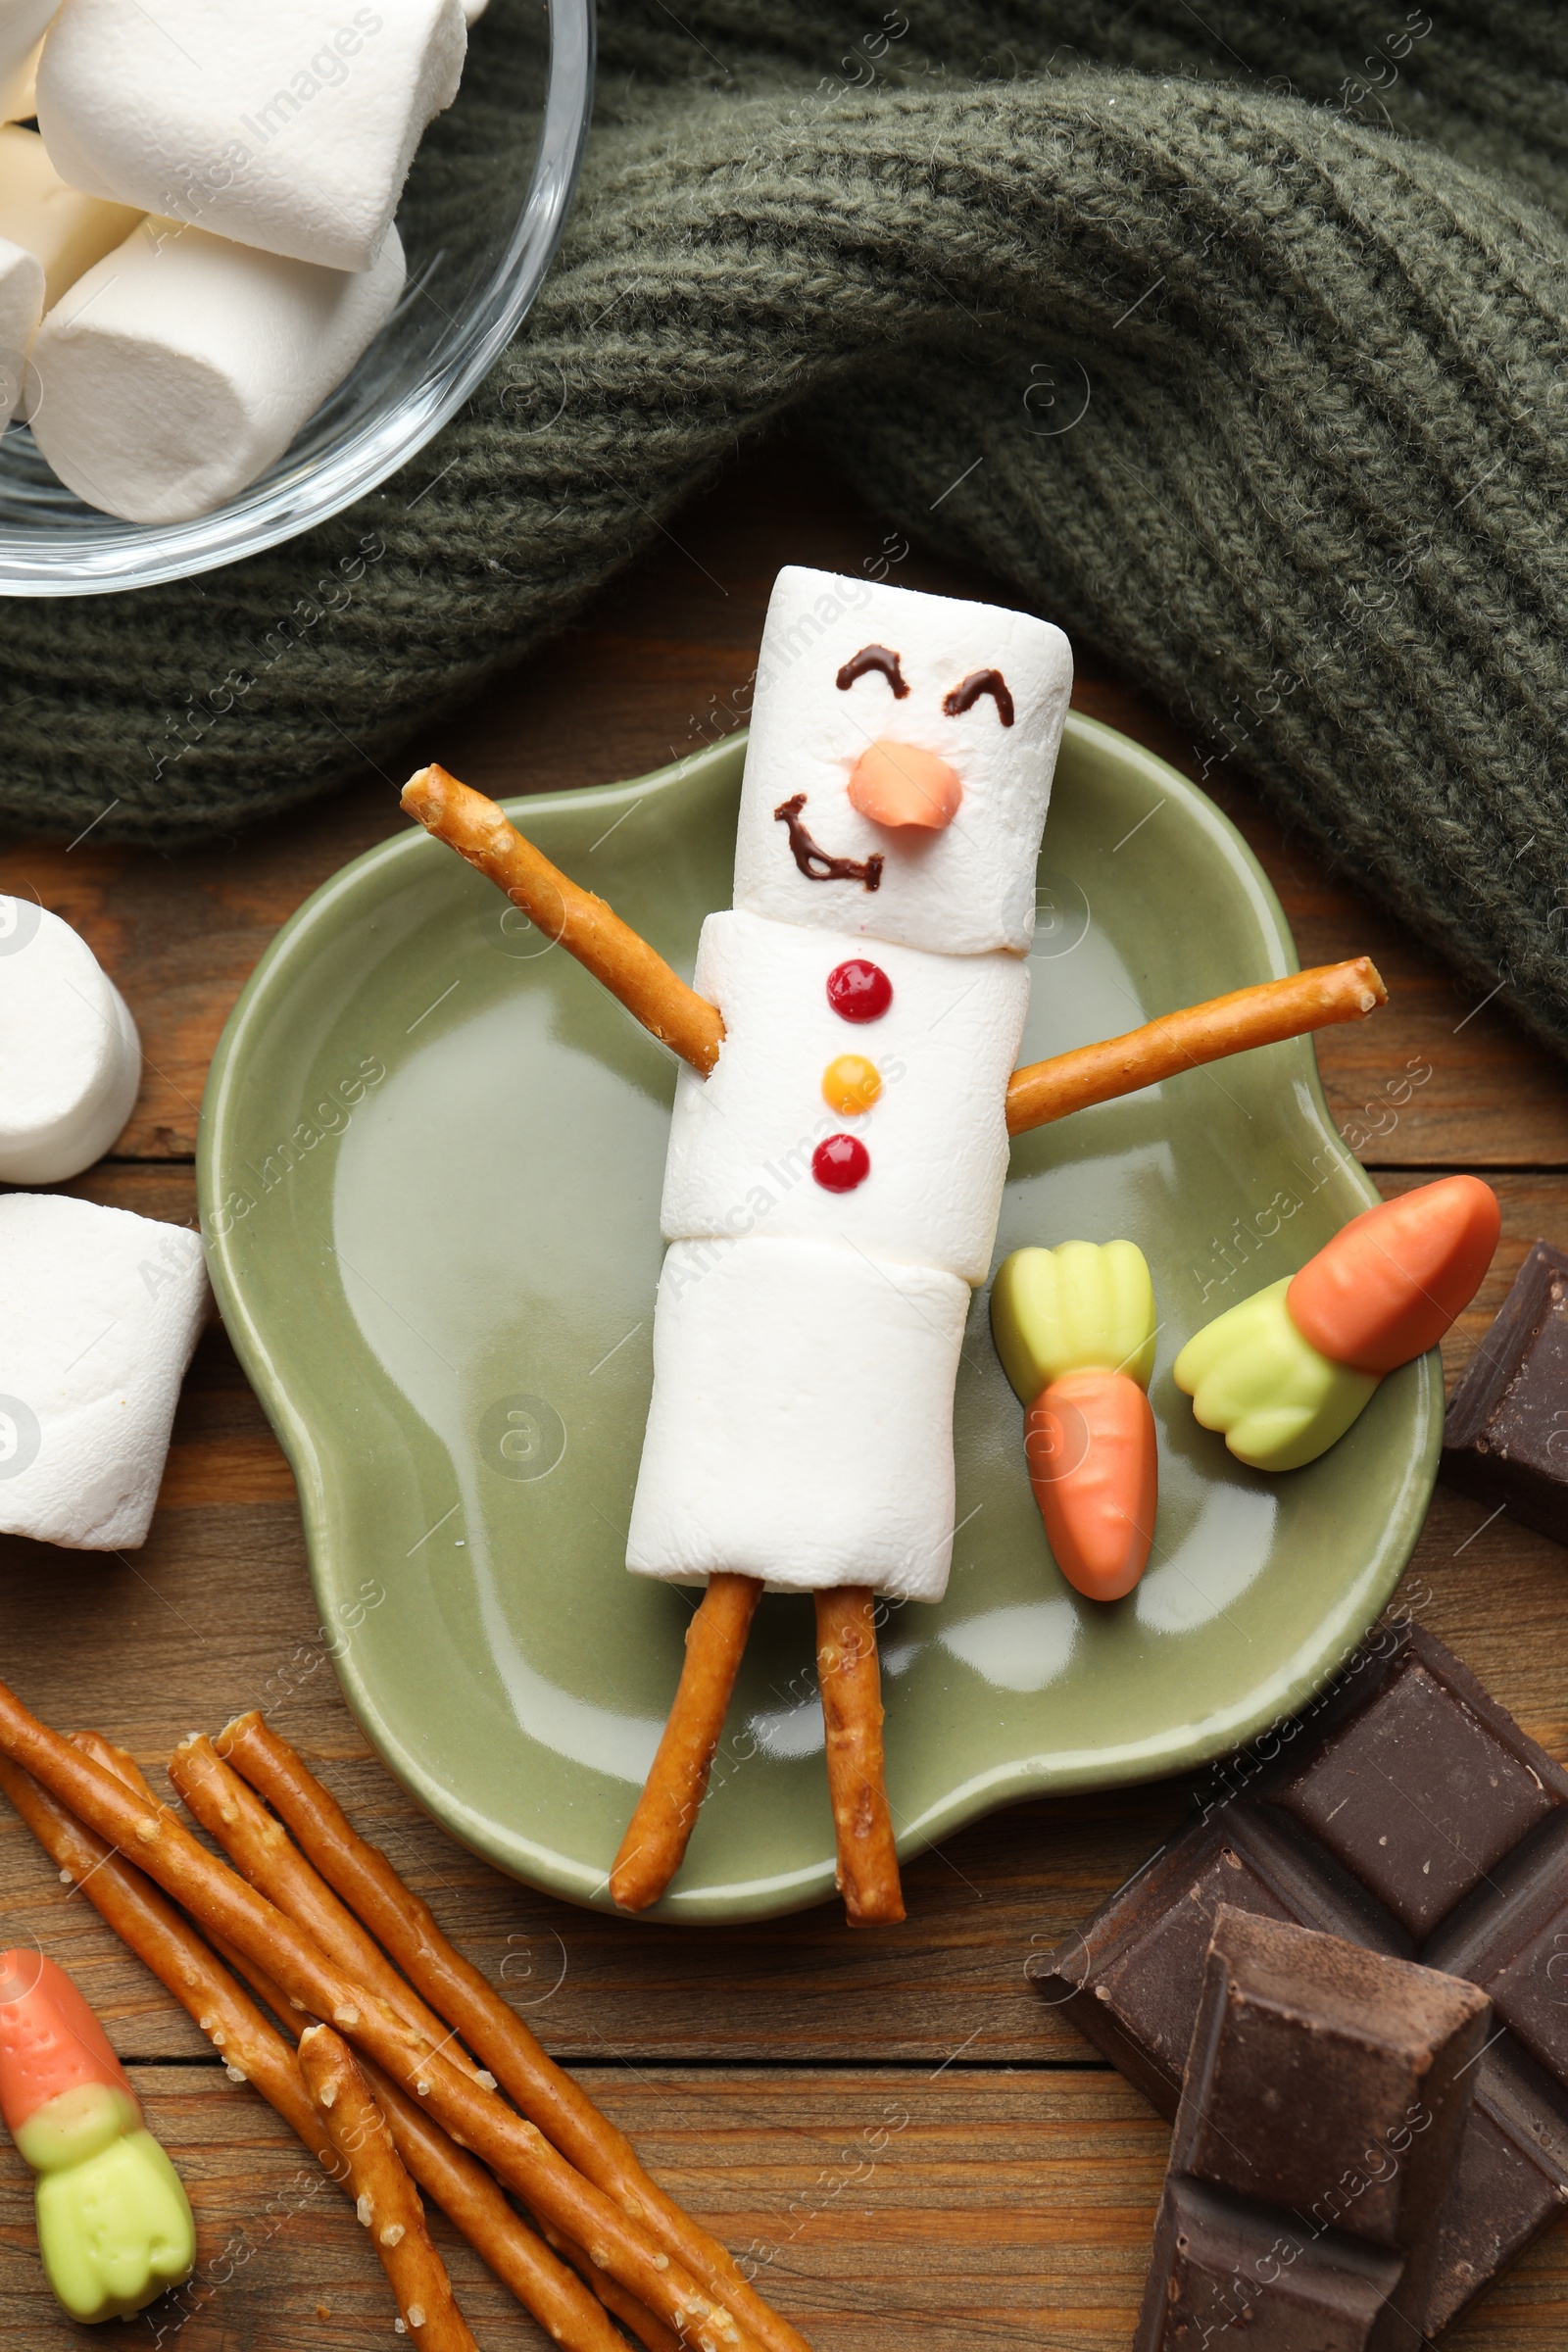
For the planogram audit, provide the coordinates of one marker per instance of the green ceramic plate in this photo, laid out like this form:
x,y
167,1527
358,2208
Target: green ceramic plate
x,y
430,1178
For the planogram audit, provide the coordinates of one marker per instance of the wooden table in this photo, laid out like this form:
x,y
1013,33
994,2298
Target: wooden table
x,y
918,2151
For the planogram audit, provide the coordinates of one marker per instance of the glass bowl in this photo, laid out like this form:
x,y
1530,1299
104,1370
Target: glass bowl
x,y
481,219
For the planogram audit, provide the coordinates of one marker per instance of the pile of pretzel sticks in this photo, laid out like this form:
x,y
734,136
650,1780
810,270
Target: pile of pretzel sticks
x,y
391,2056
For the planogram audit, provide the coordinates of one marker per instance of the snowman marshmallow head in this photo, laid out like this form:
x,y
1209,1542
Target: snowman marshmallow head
x,y
900,765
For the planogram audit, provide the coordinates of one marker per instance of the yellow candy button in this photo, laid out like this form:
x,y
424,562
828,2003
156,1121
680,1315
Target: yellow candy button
x,y
851,1085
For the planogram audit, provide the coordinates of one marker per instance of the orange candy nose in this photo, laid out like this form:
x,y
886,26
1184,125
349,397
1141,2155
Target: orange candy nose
x,y
899,784
1389,1285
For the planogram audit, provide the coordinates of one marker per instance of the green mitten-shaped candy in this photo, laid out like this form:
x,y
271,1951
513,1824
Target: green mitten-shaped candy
x,y
1084,1306
114,2230
1277,1402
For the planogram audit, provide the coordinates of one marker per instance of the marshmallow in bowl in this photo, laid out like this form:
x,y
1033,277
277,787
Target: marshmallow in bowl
x,y
66,229
21,309
802,1421
23,24
69,1057
741,1139
978,688
100,1311
289,126
181,366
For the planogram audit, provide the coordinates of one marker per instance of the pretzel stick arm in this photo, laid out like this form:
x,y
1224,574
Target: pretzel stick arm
x,y
1182,1040
652,1850
407,1927
387,2201
852,1715
582,924
218,1899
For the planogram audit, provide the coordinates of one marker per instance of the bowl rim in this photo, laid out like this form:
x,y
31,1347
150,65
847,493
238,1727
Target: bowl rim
x,y
126,556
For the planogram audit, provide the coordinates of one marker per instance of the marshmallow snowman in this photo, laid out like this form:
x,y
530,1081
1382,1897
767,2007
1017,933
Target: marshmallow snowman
x,y
832,1188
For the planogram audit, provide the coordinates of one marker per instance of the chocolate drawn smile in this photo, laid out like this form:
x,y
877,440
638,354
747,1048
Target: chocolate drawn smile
x,y
816,864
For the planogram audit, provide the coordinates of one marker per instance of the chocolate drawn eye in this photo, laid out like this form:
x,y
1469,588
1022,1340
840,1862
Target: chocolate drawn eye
x,y
978,682
879,658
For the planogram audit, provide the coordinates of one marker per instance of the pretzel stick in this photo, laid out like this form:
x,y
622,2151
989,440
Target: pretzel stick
x,y
178,1958
387,2201
654,1844
258,1844
852,1715
253,1839
476,2118
630,2312
1181,1040
406,1927
582,924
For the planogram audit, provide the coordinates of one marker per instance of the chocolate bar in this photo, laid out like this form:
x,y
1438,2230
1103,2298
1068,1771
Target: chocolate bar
x,y
1407,1812
1505,1434
1319,2133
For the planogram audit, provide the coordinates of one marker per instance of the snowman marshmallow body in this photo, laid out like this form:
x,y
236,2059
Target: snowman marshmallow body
x,y
821,1257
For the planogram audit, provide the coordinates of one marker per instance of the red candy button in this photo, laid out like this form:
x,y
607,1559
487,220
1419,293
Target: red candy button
x,y
842,1162
859,991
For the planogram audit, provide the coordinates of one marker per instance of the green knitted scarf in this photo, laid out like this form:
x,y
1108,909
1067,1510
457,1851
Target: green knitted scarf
x,y
1233,339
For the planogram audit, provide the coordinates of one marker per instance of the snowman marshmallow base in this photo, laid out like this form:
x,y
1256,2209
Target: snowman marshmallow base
x,y
839,1146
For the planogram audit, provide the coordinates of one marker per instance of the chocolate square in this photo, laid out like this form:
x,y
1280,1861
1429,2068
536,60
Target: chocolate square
x,y
1421,1793
1505,1434
1327,2080
1221,2263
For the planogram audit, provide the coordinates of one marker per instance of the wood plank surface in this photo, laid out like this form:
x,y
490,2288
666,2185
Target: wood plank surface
x,y
1016,2203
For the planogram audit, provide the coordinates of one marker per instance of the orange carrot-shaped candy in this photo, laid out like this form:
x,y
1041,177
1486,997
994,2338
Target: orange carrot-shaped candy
x,y
1284,1374
1389,1285
115,2229
1074,1328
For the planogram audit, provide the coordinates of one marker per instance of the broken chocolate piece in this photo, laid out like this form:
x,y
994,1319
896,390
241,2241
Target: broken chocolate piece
x,y
1326,2092
1295,1834
1506,1434
1218,2260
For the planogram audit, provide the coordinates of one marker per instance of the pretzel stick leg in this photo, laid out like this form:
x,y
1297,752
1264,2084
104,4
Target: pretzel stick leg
x,y
654,1844
851,1714
582,924
1182,1040
407,1927
218,1899
176,1955
387,2201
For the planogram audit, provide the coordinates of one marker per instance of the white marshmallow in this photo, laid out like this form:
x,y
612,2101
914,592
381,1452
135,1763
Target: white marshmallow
x,y
473,10
18,89
66,230
801,1429
965,889
100,1312
23,24
289,126
181,366
21,309
69,1057
741,1141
